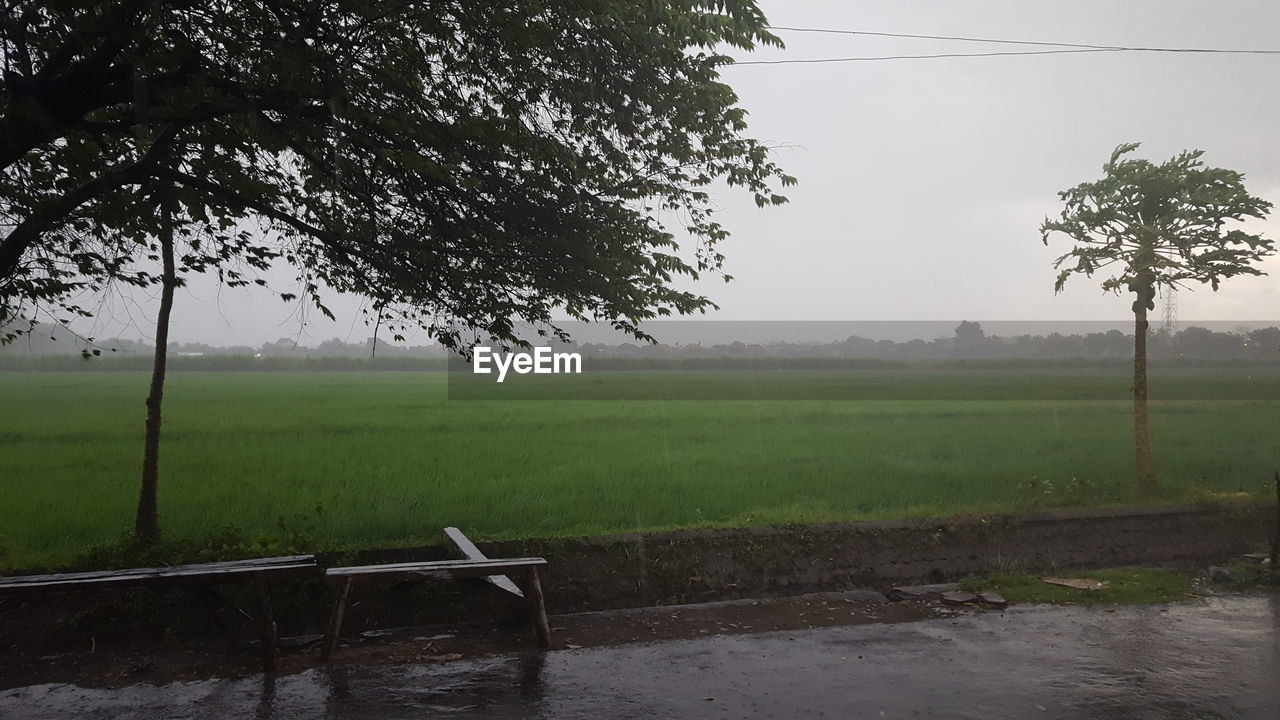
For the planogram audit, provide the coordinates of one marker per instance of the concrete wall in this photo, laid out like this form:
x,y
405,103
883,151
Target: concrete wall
x,y
704,565
700,565
596,573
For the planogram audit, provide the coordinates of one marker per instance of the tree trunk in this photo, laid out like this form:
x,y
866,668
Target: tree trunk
x,y
147,524
1275,541
1141,434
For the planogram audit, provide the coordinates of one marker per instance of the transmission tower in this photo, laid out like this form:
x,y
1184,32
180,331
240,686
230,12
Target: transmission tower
x,y
1170,319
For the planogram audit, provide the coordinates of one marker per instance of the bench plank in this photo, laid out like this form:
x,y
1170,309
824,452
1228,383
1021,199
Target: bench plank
x,y
454,568
471,552
291,565
285,560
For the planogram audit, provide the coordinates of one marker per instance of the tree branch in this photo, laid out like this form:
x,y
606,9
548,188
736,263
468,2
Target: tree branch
x,y
54,211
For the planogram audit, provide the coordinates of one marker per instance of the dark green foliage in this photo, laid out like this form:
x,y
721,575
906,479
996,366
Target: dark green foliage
x,y
1153,225
467,166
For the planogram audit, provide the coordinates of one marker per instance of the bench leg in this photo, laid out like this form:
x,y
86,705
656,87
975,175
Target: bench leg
x,y
335,620
268,624
539,609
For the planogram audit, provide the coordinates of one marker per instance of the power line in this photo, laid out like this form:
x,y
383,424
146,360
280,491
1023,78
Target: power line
x,y
1004,41
937,37
1069,48
922,57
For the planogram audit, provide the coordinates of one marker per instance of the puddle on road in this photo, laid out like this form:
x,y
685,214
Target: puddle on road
x,y
1211,658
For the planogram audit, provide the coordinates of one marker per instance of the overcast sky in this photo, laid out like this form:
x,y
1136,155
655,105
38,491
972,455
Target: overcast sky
x,y
923,182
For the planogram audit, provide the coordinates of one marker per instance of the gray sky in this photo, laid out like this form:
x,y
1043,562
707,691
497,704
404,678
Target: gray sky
x,y
923,182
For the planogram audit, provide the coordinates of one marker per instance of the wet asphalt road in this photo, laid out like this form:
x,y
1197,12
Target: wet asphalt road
x,y
1211,658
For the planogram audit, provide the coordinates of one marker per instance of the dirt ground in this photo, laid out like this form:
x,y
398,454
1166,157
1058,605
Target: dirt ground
x,y
114,667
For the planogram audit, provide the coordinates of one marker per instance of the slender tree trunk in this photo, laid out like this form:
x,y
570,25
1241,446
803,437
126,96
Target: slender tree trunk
x,y
147,524
1141,433
1275,541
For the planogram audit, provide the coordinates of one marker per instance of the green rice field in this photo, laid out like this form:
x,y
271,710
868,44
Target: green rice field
x,y
371,459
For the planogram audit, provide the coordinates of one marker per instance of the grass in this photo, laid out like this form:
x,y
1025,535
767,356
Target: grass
x,y
349,460
1246,575
1128,586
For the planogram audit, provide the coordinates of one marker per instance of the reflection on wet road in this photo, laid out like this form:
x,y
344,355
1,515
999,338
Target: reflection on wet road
x,y
1213,658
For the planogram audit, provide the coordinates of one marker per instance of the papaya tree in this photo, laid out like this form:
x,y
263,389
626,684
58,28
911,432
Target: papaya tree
x,y
1146,226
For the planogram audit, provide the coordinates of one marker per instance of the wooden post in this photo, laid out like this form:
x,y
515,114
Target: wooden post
x,y
539,609
335,619
268,624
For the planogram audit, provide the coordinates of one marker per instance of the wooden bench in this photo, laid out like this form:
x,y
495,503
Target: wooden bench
x,y
259,571
475,565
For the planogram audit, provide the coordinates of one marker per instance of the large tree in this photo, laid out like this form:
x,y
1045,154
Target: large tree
x,y
1148,226
469,167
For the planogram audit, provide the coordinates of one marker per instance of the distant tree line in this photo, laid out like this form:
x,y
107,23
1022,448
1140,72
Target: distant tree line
x,y
969,341
47,339
217,363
